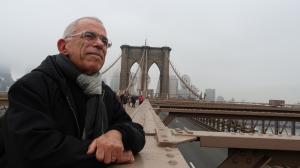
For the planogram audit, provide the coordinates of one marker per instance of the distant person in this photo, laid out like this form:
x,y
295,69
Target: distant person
x,y
62,115
124,99
133,100
141,99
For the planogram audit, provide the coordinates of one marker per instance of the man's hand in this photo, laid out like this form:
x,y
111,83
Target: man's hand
x,y
127,157
109,148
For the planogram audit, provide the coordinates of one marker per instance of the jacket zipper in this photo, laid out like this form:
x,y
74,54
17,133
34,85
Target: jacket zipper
x,y
74,114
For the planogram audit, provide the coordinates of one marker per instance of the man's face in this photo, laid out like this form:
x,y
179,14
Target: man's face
x,y
87,55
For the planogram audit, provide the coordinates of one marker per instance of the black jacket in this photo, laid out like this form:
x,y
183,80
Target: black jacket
x,y
44,123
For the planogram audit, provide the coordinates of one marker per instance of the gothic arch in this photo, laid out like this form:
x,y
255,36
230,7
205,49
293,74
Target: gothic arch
x,y
158,55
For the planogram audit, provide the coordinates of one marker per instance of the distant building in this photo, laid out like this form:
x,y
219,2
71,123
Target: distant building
x,y
195,89
156,92
296,106
232,100
5,78
150,93
173,86
220,99
115,80
184,92
135,87
210,94
277,102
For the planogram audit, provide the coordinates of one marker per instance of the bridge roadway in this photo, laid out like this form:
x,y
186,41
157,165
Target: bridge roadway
x,y
194,155
251,107
234,116
246,150
201,157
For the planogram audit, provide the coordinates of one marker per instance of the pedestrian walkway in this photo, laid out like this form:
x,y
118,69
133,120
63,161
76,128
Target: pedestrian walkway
x,y
130,109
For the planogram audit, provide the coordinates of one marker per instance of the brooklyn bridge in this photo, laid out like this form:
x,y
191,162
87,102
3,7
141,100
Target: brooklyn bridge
x,y
194,131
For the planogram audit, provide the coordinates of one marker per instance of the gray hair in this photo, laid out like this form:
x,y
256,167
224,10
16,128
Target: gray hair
x,y
71,27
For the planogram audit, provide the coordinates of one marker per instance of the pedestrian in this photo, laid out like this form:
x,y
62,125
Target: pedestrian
x,y
141,99
133,100
63,115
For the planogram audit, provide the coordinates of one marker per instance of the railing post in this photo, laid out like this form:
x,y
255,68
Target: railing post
x,y
276,125
263,127
293,131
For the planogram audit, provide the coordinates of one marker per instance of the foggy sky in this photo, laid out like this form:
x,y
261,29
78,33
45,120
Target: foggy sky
x,y
245,49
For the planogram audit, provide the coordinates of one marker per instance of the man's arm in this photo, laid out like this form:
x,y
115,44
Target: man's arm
x,y
133,136
32,135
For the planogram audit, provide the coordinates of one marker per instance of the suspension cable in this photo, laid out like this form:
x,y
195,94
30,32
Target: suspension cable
x,y
111,65
131,81
185,84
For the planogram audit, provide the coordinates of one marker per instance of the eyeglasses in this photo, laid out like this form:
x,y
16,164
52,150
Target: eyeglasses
x,y
92,36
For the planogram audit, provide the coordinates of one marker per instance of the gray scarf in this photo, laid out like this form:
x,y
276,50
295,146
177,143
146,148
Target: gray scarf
x,y
96,115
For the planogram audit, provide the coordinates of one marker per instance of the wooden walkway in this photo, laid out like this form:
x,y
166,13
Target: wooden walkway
x,y
154,153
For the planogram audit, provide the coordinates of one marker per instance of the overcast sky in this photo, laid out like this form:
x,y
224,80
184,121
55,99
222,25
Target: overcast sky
x,y
245,49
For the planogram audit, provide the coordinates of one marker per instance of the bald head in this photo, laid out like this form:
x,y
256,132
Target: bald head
x,y
71,28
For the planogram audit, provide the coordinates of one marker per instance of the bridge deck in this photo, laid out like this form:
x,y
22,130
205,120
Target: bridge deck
x,y
192,104
161,151
267,145
153,154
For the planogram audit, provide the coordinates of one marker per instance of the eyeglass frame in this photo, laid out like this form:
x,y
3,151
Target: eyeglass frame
x,y
95,35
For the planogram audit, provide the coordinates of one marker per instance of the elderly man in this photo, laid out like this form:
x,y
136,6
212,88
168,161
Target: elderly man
x,y
62,115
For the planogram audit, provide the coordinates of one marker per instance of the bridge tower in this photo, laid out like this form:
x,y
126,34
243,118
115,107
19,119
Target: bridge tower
x,y
145,56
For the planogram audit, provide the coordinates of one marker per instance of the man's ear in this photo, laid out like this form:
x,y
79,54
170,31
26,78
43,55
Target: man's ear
x,y
61,46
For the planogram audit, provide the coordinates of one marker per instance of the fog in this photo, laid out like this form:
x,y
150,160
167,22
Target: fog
x,y
246,50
